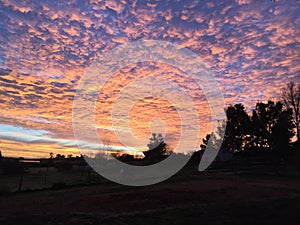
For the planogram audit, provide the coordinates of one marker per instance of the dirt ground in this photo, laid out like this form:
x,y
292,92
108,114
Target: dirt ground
x,y
209,198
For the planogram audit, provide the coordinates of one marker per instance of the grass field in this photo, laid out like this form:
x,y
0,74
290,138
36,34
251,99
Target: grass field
x,y
208,198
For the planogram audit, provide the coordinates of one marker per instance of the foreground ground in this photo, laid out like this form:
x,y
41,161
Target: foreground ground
x,y
201,199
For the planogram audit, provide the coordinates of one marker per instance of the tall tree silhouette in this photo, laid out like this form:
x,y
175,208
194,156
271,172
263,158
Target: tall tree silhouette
x,y
237,128
283,132
269,121
291,99
264,118
158,148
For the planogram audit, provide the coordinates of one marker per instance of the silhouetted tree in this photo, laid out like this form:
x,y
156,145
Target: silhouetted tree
x,y
158,149
237,128
125,158
59,156
271,126
264,118
283,131
291,99
205,142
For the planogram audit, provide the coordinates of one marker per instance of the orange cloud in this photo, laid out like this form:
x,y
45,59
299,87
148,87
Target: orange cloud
x,y
247,44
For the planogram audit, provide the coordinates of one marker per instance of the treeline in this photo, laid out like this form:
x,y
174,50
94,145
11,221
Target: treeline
x,y
268,128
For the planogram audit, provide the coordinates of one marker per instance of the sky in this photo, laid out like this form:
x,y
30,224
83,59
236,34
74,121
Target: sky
x,y
251,47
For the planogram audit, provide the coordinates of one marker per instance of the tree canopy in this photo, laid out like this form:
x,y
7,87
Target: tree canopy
x,y
270,127
157,148
291,99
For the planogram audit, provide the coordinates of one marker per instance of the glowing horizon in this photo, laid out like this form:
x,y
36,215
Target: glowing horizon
x,y
252,48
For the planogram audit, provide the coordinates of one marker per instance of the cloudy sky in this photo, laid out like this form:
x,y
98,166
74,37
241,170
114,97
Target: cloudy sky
x,y
251,47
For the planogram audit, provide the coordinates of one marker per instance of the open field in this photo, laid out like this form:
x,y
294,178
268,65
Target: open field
x,y
209,198
43,178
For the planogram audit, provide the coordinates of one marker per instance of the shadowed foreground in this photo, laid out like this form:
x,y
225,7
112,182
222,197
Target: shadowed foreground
x,y
204,199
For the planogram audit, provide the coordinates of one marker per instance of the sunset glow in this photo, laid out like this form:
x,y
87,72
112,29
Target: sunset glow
x,y
251,47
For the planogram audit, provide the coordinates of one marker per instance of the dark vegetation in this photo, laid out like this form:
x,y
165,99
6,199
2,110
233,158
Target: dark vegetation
x,y
264,133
